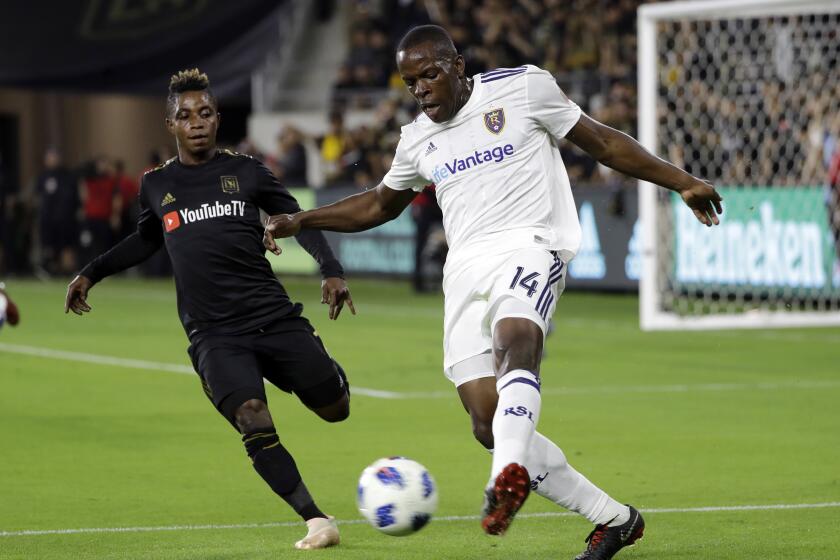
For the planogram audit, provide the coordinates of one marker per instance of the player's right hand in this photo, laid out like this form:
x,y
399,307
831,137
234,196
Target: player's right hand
x,y
281,225
77,291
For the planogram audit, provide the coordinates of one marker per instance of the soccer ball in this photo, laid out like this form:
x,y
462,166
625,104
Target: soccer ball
x,y
397,496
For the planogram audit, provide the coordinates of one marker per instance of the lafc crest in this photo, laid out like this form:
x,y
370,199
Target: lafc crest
x,y
230,184
495,120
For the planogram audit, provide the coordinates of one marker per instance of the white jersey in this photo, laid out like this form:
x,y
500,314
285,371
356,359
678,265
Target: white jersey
x,y
501,183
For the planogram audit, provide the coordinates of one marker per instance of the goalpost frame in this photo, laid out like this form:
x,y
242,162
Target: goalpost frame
x,y
651,315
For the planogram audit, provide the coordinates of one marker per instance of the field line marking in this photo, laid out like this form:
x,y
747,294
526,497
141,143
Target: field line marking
x,y
99,359
40,352
448,518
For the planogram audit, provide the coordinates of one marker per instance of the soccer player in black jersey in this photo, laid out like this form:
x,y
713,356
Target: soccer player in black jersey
x,y
205,206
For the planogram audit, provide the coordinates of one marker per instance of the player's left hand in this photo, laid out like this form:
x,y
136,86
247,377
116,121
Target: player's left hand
x,y
335,292
705,201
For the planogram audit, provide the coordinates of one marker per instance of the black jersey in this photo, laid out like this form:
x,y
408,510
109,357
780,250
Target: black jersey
x,y
208,216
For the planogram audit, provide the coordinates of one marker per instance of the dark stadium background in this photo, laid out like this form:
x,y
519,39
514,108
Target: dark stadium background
x,y
90,79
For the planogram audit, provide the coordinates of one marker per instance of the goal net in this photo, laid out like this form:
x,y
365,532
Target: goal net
x,y
745,94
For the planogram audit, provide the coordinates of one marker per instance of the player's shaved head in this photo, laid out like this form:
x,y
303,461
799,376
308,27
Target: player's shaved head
x,y
433,71
433,35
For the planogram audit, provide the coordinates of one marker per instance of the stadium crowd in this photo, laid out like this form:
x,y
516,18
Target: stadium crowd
x,y
589,45
70,214
777,126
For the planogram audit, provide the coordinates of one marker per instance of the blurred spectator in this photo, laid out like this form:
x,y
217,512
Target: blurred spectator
x,y
289,164
367,60
352,163
427,216
157,158
102,208
57,202
130,206
332,146
344,81
17,218
247,147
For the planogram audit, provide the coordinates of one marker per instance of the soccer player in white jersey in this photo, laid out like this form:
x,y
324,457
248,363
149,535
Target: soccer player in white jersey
x,y
489,143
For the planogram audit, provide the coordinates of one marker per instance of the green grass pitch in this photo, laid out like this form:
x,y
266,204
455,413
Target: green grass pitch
x,y
671,422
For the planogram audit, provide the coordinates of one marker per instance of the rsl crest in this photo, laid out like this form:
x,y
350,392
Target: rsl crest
x,y
495,120
230,184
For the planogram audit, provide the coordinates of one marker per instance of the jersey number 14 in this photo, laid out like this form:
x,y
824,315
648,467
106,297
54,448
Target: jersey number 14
x,y
529,281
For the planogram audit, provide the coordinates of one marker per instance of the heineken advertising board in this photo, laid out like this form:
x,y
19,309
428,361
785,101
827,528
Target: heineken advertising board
x,y
770,240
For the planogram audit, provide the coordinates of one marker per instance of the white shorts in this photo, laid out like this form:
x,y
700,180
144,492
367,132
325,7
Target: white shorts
x,y
524,283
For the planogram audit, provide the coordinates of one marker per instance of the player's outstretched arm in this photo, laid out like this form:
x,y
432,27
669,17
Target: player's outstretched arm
x,y
355,213
129,252
622,153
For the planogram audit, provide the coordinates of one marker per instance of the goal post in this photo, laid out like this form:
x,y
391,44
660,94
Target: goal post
x,y
745,94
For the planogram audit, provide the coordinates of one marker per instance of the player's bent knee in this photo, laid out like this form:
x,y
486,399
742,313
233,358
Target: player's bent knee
x,y
339,411
329,399
517,334
252,413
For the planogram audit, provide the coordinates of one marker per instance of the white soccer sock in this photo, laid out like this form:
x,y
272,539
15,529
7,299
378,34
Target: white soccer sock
x,y
556,480
515,419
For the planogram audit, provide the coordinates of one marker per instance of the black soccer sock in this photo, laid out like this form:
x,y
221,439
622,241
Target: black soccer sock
x,y
277,467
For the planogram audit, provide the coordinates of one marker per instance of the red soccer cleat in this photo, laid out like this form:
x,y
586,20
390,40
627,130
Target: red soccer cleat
x,y
509,492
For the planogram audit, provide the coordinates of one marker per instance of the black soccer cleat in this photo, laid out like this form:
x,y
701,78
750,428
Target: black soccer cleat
x,y
605,542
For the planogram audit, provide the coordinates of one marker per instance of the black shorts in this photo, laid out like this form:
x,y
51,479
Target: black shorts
x,y
288,353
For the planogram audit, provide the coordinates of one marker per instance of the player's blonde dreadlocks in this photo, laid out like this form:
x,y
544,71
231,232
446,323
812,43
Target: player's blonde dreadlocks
x,y
187,80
